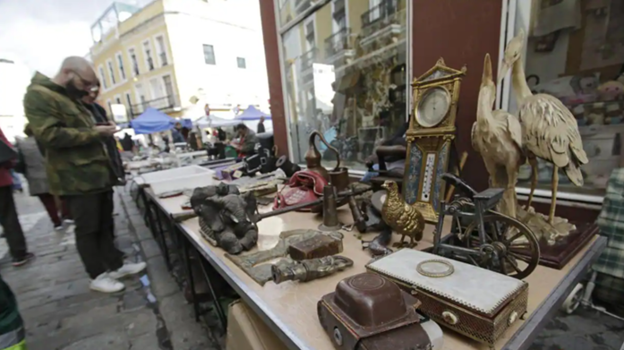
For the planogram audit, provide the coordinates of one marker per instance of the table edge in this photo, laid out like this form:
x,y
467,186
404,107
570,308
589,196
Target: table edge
x,y
250,297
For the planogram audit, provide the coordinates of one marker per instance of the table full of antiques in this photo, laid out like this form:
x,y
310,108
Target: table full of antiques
x,y
328,263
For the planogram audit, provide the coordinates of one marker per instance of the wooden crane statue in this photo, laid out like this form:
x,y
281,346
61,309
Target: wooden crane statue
x,y
497,136
549,130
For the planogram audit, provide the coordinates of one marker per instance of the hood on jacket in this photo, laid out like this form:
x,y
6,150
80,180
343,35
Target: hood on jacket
x,y
43,80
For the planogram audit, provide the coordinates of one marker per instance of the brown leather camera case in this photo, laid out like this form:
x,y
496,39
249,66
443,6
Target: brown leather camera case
x,y
368,312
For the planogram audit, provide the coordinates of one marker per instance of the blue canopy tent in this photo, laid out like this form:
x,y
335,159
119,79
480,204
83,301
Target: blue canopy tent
x,y
151,121
252,113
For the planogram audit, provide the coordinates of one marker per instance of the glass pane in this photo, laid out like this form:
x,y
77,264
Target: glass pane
x,y
346,77
576,53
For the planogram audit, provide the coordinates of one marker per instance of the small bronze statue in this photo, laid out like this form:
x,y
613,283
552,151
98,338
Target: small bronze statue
x,y
308,270
404,219
226,217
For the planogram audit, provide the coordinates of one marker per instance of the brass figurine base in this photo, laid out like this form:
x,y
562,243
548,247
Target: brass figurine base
x,y
324,228
543,230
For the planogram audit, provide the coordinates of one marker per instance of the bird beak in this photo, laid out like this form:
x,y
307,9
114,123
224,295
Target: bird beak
x,y
502,72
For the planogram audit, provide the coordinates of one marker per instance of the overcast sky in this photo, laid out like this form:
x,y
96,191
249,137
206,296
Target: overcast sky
x,y
41,33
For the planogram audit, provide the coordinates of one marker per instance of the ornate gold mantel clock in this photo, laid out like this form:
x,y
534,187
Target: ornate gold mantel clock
x,y
429,137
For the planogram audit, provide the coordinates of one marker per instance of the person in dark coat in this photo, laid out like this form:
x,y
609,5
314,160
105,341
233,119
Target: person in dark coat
x,y
8,214
99,113
32,165
248,139
261,128
176,134
126,143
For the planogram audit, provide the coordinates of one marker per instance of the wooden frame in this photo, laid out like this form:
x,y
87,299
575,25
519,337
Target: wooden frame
x,y
429,148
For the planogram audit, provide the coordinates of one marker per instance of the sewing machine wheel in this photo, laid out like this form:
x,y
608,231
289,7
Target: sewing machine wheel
x,y
510,248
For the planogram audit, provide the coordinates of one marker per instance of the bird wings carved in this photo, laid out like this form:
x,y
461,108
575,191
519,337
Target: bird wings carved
x,y
410,219
551,131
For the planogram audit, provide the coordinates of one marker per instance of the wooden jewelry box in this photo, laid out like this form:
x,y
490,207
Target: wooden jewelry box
x,y
478,303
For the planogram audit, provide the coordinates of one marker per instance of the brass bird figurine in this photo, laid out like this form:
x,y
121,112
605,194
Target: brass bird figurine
x,y
497,136
403,218
549,130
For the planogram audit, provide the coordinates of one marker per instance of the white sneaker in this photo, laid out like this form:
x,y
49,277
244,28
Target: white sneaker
x,y
128,269
106,284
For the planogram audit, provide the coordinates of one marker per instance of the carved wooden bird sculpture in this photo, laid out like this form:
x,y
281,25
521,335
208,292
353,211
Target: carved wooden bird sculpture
x,y
549,130
497,136
403,218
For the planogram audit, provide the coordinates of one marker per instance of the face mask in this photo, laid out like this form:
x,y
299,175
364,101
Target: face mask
x,y
74,92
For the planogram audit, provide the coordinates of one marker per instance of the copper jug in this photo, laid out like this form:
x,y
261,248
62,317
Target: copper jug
x,y
313,156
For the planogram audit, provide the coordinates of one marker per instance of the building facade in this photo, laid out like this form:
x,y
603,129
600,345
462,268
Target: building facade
x,y
344,67
172,53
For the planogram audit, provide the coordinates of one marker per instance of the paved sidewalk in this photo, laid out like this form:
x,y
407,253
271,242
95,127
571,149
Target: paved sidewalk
x,y
60,312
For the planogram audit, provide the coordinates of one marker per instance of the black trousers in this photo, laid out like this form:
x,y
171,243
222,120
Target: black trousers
x,y
93,217
11,225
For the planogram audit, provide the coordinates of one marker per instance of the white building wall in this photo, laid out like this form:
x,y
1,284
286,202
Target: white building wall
x,y
233,32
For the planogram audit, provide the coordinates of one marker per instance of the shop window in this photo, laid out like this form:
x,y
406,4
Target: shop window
x,y
147,50
209,54
353,89
576,53
162,50
240,61
134,61
103,77
111,71
120,65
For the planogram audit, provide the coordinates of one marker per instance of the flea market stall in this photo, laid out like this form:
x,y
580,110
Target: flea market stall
x,y
396,212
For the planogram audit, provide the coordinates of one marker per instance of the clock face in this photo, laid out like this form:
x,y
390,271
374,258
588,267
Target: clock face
x,y
433,107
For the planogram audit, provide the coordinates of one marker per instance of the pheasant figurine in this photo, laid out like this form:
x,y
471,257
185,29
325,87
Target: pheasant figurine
x,y
403,218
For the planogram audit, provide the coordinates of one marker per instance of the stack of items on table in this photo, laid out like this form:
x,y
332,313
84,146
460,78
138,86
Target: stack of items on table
x,y
470,280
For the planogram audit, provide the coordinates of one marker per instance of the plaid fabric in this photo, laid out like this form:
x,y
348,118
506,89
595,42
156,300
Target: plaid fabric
x,y
611,223
610,291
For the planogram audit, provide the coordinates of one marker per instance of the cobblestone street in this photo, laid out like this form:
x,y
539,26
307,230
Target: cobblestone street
x,y
59,310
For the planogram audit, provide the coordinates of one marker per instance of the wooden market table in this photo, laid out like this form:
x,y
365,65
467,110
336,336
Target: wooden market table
x,y
289,309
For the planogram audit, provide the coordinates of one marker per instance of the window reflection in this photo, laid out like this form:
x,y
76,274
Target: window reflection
x,y
576,53
345,69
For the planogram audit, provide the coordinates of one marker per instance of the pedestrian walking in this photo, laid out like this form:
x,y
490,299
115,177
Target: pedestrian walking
x,y
8,214
78,166
32,165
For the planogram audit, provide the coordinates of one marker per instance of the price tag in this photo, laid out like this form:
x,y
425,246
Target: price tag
x,y
237,174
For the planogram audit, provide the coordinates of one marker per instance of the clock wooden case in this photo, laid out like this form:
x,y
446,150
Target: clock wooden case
x,y
430,136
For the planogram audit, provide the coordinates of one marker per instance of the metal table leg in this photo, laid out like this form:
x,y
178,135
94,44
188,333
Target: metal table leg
x,y
189,273
147,214
163,239
213,293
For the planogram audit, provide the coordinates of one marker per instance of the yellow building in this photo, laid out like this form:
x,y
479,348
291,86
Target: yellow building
x,y
133,60
172,53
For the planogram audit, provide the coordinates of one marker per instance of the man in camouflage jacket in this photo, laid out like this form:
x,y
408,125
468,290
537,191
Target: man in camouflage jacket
x,y
78,166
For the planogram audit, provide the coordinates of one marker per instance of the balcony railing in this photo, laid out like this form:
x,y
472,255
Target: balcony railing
x,y
338,42
164,104
385,10
308,58
302,5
